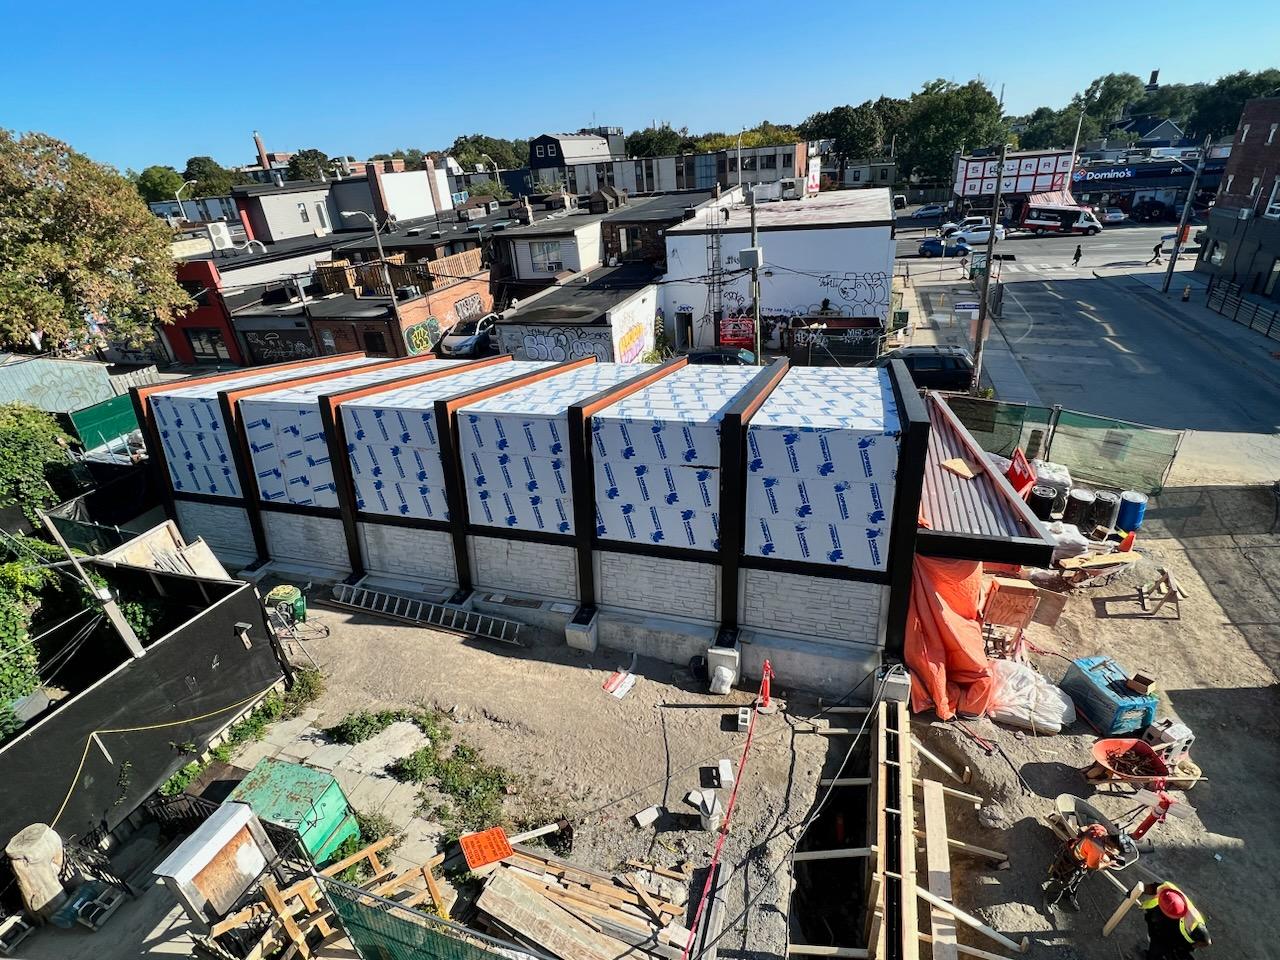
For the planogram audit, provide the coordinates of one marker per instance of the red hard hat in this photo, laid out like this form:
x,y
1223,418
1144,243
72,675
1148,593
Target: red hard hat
x,y
1173,904
1096,830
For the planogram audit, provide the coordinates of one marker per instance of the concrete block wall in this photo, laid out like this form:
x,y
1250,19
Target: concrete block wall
x,y
226,529
406,553
813,607
830,668
304,540
543,570
652,585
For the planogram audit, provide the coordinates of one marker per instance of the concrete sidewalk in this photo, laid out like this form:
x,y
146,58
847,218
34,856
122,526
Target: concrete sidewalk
x,y
929,303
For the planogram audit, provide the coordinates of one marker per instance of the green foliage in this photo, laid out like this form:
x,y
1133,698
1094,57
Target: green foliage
x,y
362,725
490,188
1217,108
507,154
658,142
77,245
373,827
156,183
945,117
1108,97
475,787
308,165
32,453
856,132
211,178
411,156
764,134
143,613
1049,129
308,684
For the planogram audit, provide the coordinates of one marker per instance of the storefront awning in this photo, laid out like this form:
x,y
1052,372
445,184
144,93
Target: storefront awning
x,y
1054,198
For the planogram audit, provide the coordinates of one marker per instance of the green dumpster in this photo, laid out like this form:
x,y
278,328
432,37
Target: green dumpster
x,y
309,802
291,596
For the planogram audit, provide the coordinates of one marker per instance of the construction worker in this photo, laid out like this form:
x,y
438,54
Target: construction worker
x,y
1077,858
1174,926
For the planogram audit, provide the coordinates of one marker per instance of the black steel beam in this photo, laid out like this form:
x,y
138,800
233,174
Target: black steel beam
x,y
913,450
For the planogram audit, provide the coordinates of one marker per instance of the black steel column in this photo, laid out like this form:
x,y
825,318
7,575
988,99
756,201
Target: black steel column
x,y
913,449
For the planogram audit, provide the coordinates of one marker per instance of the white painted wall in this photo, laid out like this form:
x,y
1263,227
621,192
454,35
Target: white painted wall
x,y
408,194
850,266
581,251
631,325
282,219
273,270
590,246
442,189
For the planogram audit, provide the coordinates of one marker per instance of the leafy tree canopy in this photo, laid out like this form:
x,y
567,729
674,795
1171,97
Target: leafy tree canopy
x,y
855,132
945,117
211,178
1217,108
158,183
489,188
80,253
308,164
411,156
658,142
507,154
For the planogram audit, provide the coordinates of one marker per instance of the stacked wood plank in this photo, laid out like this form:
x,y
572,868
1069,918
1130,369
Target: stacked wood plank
x,y
574,913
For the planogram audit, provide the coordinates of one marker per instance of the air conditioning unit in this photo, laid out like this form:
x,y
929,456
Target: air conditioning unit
x,y
220,235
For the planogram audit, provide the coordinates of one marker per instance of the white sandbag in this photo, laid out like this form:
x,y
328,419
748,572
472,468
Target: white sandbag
x,y
721,680
1070,541
1023,698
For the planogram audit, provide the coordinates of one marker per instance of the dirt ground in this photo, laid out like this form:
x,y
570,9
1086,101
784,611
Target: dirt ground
x,y
1217,670
584,755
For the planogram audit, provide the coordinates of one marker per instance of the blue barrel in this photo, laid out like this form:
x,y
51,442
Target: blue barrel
x,y
1133,509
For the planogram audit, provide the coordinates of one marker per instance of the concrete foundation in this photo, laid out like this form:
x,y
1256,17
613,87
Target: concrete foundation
x,y
826,667
309,542
543,570
224,528
420,557
675,641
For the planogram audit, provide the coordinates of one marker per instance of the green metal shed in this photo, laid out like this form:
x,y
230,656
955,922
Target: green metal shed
x,y
309,802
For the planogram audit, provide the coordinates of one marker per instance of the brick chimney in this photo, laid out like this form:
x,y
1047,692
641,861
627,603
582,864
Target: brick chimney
x,y
263,160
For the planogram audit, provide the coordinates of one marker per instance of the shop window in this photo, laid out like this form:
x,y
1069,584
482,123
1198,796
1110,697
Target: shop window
x,y
207,345
375,344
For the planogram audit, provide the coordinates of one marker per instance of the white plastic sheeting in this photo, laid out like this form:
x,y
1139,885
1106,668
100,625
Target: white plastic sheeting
x,y
393,446
1023,698
822,459
515,449
287,443
197,450
656,459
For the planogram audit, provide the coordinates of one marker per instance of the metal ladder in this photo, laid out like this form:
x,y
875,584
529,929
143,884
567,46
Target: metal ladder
x,y
437,615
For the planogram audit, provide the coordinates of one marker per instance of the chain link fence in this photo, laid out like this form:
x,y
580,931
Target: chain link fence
x,y
382,929
1101,451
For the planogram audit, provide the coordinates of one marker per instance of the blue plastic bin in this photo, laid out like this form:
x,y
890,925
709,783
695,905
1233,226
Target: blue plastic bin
x,y
1097,687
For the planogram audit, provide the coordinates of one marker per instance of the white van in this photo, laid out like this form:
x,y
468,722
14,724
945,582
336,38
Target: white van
x,y
1044,219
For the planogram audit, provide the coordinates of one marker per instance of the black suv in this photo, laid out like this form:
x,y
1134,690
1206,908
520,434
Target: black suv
x,y
933,368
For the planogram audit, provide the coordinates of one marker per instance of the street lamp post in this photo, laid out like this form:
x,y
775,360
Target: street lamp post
x,y
382,257
178,196
1186,215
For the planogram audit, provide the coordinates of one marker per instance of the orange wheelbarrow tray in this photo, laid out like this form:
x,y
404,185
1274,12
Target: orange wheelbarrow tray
x,y
1128,760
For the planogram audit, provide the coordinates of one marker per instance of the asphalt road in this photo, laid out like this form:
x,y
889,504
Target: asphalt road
x,y
1116,347
1035,256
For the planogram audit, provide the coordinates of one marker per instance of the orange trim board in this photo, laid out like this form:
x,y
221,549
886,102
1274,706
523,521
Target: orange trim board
x,y
332,400
521,380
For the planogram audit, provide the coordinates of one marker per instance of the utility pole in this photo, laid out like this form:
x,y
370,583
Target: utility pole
x,y
1186,215
983,309
109,605
755,282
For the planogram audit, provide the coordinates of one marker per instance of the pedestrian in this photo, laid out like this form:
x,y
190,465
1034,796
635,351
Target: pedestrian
x,y
1174,926
1155,255
1075,261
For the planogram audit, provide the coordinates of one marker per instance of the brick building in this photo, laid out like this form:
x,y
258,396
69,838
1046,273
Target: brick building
x,y
1243,238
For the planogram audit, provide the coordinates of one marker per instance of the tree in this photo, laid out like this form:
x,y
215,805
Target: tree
x,y
1108,97
1218,107
655,142
411,156
211,178
158,183
507,154
1172,100
309,164
892,112
489,188
33,457
1056,129
80,253
943,118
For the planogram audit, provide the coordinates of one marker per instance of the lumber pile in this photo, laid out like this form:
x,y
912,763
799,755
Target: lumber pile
x,y
574,913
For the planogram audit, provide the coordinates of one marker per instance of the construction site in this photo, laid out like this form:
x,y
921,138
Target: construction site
x,y
582,661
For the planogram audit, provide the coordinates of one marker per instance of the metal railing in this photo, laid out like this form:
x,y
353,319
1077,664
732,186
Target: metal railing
x,y
1229,299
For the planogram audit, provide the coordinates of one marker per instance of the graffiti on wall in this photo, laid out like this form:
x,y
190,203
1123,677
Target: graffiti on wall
x,y
420,337
277,346
867,293
555,343
469,308
632,329
737,331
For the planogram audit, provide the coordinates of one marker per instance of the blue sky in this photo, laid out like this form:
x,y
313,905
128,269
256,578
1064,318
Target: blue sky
x,y
139,83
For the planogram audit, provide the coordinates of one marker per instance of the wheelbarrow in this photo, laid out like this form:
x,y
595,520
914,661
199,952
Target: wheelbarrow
x,y
1127,761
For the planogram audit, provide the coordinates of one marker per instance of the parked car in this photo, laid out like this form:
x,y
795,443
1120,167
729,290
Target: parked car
x,y
947,229
928,211
1114,215
933,367
977,235
470,338
937,247
722,357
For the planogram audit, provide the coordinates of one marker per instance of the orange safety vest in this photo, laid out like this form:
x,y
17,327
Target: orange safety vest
x,y
1192,914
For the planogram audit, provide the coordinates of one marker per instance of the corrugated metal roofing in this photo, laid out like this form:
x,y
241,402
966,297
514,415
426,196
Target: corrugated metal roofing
x,y
985,507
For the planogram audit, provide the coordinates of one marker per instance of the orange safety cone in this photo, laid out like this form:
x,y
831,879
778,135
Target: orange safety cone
x,y
1127,543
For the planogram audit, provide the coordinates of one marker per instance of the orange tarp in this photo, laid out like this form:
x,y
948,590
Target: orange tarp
x,y
944,647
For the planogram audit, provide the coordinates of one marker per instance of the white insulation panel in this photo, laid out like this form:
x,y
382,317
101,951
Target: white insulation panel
x,y
287,442
656,458
197,450
393,447
822,460
515,450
